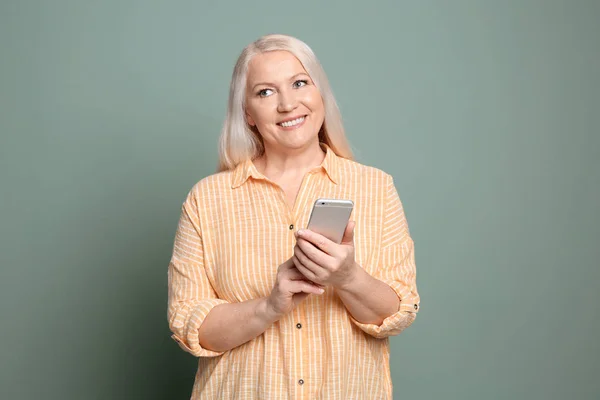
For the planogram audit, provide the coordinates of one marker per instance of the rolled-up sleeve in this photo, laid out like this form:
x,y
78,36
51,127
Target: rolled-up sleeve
x,y
190,294
396,267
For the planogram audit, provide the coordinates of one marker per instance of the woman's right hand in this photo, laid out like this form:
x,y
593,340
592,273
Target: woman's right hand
x,y
290,289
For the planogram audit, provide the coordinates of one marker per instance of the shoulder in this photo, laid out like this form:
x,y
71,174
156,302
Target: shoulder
x,y
351,170
210,187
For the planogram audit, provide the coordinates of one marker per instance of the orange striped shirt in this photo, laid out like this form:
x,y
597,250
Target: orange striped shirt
x,y
235,229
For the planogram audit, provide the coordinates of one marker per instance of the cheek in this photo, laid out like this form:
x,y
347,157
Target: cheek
x,y
314,101
260,113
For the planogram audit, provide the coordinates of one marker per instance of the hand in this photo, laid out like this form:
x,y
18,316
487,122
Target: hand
x,y
290,289
325,262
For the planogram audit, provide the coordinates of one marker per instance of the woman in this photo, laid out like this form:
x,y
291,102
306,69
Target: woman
x,y
271,310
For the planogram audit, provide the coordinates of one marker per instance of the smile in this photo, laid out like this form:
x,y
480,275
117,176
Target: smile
x,y
295,122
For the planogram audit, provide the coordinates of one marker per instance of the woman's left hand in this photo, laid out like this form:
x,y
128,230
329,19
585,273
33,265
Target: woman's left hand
x,y
325,262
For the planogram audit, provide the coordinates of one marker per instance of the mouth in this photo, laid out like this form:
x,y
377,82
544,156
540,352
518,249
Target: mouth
x,y
293,124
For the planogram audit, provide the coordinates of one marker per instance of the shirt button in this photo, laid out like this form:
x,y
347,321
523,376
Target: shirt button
x,y
416,307
299,325
291,227
301,382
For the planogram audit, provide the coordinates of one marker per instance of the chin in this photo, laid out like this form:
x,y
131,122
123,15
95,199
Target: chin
x,y
299,143
295,140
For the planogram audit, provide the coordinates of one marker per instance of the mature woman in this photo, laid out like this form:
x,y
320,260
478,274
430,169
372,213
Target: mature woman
x,y
274,311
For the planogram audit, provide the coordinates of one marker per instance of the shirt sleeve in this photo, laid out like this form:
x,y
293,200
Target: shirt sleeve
x,y
191,296
396,267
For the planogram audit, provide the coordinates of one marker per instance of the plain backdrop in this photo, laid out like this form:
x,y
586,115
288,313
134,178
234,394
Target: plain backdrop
x,y
485,112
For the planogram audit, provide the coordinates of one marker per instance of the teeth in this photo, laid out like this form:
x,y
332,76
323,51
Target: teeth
x,y
292,123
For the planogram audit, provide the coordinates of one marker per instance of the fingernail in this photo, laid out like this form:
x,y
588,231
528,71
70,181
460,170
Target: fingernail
x,y
301,232
321,291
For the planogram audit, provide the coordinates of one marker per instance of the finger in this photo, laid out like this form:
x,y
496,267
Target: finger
x,y
305,262
294,275
306,274
313,253
286,266
304,287
298,298
349,233
312,281
319,241
308,269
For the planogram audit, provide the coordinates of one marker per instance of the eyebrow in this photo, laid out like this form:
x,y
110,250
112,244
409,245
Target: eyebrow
x,y
272,84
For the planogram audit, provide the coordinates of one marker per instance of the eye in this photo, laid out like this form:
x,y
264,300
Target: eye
x,y
264,92
300,83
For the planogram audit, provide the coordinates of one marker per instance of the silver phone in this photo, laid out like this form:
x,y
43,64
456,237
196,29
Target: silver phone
x,y
329,217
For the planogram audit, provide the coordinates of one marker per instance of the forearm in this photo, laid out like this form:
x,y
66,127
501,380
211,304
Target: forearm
x,y
229,325
368,299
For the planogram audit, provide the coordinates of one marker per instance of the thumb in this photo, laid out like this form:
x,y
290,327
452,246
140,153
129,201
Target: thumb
x,y
349,233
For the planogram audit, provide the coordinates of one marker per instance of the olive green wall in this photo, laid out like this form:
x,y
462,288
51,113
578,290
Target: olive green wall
x,y
486,113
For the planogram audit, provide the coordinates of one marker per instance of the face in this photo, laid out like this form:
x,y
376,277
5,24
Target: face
x,y
282,102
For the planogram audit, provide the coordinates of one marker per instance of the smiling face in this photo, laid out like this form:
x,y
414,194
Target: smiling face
x,y
282,102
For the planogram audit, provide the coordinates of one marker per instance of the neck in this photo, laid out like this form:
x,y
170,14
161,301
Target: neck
x,y
275,164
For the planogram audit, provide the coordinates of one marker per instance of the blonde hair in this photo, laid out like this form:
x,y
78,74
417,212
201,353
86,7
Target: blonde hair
x,y
238,142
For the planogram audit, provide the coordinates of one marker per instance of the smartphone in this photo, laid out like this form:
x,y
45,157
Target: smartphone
x,y
329,217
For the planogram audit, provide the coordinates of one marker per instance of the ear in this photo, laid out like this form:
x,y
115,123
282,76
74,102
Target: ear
x,y
249,119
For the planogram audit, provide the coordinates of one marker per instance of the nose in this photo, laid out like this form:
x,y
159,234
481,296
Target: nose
x,y
287,101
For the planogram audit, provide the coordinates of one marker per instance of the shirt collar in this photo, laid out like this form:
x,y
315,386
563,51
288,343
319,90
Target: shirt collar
x,y
247,169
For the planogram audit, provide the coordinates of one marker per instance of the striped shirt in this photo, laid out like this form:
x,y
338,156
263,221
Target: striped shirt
x,y
235,229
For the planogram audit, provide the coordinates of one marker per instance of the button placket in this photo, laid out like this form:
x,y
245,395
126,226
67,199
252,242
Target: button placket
x,y
305,192
300,339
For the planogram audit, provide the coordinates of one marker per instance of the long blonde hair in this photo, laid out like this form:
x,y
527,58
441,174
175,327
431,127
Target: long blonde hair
x,y
238,142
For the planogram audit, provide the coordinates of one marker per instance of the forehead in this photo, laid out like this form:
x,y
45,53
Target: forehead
x,y
273,65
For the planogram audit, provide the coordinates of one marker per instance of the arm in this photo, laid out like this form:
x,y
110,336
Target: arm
x,y
202,323
250,319
396,269
368,300
191,296
383,304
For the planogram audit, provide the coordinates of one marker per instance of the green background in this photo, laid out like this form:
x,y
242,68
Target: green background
x,y
486,114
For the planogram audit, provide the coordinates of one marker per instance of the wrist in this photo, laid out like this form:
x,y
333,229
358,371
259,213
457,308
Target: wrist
x,y
266,313
351,278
